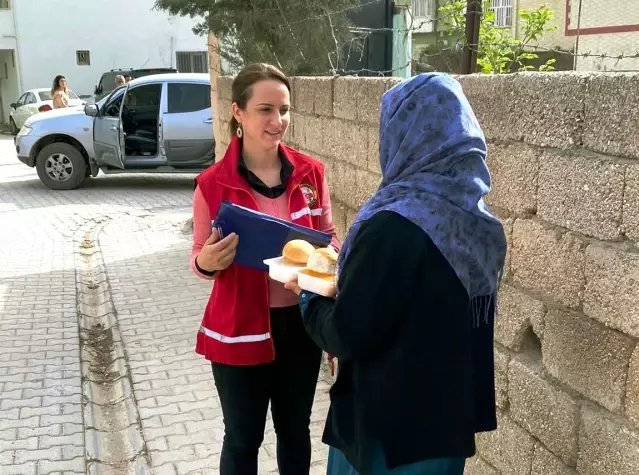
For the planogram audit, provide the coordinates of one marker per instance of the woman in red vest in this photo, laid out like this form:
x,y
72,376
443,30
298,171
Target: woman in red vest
x,y
252,330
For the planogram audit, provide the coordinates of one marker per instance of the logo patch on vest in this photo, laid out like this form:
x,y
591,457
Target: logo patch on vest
x,y
310,193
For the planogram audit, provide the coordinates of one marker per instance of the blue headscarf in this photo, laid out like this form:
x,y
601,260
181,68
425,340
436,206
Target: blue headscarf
x,y
433,159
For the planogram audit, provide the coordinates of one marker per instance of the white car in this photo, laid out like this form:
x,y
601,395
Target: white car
x,y
34,101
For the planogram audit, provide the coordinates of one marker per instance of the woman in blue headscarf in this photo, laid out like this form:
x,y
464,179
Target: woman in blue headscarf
x,y
412,323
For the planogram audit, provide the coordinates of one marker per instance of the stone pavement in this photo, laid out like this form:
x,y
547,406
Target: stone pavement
x,y
52,245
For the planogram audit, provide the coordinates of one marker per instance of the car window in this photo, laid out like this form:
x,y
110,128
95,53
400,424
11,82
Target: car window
x,y
45,95
108,80
112,106
184,97
144,96
72,95
22,100
31,98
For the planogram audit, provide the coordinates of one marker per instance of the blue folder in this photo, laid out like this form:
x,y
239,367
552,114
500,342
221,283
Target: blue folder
x,y
261,236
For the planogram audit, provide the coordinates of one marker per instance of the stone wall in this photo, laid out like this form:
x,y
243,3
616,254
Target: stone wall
x,y
564,157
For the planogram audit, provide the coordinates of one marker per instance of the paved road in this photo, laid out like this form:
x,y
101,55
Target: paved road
x,y
48,422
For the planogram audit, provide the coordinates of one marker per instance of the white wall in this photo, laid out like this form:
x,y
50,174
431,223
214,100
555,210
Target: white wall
x,y
118,33
9,86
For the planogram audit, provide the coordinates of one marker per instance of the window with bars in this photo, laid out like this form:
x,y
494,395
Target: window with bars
x,y
192,61
4,5
503,12
423,8
83,58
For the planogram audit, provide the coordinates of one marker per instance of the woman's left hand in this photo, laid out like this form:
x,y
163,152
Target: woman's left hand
x,y
292,286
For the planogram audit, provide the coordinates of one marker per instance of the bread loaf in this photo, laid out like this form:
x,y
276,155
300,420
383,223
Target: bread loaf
x,y
323,261
297,251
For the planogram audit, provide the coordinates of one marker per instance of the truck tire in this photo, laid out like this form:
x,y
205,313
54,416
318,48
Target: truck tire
x,y
61,166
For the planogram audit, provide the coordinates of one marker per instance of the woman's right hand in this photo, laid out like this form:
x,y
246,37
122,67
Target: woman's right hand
x,y
218,254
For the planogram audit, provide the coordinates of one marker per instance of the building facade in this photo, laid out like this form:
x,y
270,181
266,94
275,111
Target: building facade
x,y
40,39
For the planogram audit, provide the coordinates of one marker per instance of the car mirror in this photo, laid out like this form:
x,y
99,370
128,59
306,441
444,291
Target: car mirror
x,y
13,105
91,110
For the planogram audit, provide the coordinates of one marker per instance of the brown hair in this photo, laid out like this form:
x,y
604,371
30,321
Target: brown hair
x,y
242,88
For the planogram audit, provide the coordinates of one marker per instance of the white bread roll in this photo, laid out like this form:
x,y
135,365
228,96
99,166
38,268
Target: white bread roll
x,y
297,251
323,261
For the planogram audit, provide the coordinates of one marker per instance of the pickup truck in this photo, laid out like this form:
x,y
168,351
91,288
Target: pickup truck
x,y
156,124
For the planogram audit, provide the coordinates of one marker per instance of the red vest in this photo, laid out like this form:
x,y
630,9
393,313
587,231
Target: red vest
x,y
236,328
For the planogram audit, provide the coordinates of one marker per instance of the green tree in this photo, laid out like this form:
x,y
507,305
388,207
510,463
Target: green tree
x,y
300,36
498,51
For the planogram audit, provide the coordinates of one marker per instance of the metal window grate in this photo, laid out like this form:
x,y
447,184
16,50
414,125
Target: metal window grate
x,y
503,12
192,61
4,5
83,58
423,8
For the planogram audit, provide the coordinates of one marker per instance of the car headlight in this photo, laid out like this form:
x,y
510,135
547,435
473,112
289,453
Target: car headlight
x,y
25,130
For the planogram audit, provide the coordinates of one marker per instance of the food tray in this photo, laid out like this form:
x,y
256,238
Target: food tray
x,y
310,281
281,270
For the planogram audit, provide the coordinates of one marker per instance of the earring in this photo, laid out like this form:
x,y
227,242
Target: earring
x,y
239,131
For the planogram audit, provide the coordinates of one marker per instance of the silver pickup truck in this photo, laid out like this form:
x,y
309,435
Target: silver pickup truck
x,y
155,124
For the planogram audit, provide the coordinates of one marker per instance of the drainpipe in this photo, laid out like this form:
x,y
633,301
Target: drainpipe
x,y
17,37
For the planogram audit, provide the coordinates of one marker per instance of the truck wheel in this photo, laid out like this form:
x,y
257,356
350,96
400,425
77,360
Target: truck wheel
x,y
61,166
13,128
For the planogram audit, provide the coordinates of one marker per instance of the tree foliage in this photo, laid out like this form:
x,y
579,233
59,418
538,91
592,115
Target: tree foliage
x,y
300,36
499,51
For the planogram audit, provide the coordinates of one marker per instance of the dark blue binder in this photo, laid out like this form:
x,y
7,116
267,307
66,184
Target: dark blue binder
x,y
261,236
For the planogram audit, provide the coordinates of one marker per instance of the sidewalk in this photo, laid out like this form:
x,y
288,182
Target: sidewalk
x,y
159,304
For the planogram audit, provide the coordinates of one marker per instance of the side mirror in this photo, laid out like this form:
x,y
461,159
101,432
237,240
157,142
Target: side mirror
x,y
92,110
13,105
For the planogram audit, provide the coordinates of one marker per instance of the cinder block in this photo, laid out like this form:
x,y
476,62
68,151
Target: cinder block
x,y
587,356
345,97
225,110
632,389
297,133
224,87
545,411
339,219
612,288
612,113
353,186
581,193
314,133
502,359
369,98
545,463
516,312
548,262
508,230
605,446
302,100
513,170
346,141
630,219
478,466
313,95
536,108
373,150
509,448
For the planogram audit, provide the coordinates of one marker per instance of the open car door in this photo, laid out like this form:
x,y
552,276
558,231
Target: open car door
x,y
108,134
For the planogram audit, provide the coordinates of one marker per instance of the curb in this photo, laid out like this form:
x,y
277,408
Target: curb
x,y
114,442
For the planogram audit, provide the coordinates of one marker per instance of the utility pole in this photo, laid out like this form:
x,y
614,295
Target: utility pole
x,y
473,21
402,39
215,66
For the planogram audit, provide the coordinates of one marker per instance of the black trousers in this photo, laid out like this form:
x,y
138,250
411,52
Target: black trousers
x,y
288,384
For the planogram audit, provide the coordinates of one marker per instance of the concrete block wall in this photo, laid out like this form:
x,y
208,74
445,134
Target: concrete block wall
x,y
564,158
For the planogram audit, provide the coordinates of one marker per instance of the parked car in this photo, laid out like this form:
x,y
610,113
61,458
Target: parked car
x,y
34,101
160,123
107,81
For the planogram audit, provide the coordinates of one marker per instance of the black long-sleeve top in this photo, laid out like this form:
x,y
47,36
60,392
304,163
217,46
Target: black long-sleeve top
x,y
414,375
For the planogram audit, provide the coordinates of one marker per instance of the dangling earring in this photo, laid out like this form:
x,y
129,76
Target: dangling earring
x,y
239,131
